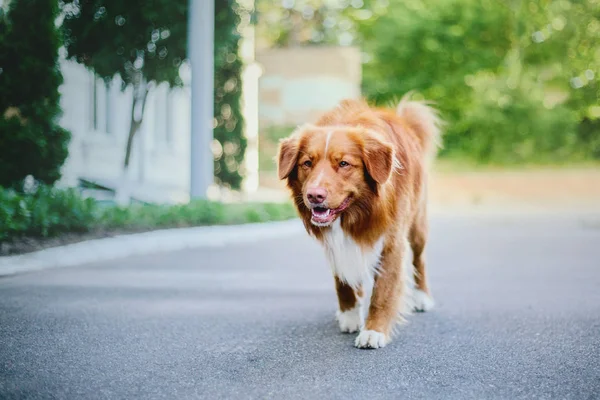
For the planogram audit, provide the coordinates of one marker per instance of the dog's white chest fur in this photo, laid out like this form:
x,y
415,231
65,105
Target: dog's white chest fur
x,y
350,262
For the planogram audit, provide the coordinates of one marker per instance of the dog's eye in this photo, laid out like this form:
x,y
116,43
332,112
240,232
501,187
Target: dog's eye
x,y
343,164
307,163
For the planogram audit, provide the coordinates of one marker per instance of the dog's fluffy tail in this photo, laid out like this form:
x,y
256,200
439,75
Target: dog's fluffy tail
x,y
424,120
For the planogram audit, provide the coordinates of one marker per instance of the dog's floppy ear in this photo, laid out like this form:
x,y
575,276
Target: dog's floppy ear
x,y
287,156
378,156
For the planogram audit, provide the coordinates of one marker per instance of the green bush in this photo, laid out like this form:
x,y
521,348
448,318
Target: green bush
x,y
31,141
196,213
512,79
229,129
45,212
506,125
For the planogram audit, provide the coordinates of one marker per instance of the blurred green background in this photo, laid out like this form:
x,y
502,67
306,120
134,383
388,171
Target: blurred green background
x,y
516,81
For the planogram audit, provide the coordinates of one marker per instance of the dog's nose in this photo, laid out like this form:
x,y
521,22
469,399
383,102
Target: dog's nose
x,y
316,195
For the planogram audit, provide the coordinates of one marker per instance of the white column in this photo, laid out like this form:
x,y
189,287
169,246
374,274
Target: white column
x,y
201,54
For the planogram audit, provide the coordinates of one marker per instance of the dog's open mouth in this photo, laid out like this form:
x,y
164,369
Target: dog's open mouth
x,y
323,216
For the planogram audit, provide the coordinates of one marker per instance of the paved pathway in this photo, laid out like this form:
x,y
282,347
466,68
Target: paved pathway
x,y
518,317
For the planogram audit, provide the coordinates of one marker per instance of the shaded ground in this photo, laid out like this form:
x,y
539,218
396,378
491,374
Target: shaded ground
x,y
518,317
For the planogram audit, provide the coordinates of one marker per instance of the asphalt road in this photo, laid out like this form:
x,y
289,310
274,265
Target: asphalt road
x,y
517,317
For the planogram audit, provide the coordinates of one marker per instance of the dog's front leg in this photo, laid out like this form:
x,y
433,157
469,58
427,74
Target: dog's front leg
x,y
385,300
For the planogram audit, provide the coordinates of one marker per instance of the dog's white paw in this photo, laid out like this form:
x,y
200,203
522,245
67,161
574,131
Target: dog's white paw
x,y
349,321
422,301
370,340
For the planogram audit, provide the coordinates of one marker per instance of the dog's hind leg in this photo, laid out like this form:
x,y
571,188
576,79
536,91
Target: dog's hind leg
x,y
422,300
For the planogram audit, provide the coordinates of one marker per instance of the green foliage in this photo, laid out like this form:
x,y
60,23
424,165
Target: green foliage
x,y
304,22
48,211
145,42
513,126
229,129
124,38
45,212
196,213
31,141
517,81
513,79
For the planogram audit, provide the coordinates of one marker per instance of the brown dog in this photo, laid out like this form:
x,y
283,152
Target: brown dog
x,y
358,179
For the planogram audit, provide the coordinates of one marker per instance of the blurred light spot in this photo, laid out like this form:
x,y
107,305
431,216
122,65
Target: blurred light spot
x,y
155,35
231,164
288,3
226,111
589,74
558,23
120,20
151,47
230,85
538,37
217,149
230,148
162,53
165,34
231,57
345,39
120,50
363,15
576,82
101,12
357,3
138,63
329,22
1,70
317,36
185,72
469,80
308,12
176,62
345,24
594,111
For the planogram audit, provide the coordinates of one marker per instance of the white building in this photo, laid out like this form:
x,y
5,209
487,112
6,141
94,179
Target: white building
x,y
98,117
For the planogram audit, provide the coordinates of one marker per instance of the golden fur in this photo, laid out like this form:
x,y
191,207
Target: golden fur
x,y
373,165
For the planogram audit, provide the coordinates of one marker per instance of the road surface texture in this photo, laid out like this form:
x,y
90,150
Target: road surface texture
x,y
517,317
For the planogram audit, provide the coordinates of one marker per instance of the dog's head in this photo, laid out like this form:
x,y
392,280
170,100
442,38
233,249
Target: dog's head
x,y
332,169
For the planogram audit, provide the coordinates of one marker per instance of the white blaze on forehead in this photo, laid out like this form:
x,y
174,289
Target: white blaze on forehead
x,y
320,176
327,142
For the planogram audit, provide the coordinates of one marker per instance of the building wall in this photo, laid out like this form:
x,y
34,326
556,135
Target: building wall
x,y
99,117
298,84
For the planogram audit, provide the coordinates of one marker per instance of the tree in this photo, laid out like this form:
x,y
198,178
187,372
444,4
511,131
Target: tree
x,y
145,42
513,79
305,22
228,131
142,42
31,141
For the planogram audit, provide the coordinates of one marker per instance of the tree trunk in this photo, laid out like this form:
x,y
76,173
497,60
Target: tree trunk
x,y
135,123
140,94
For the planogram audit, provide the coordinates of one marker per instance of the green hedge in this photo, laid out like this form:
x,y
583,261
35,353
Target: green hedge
x,y
32,143
47,212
